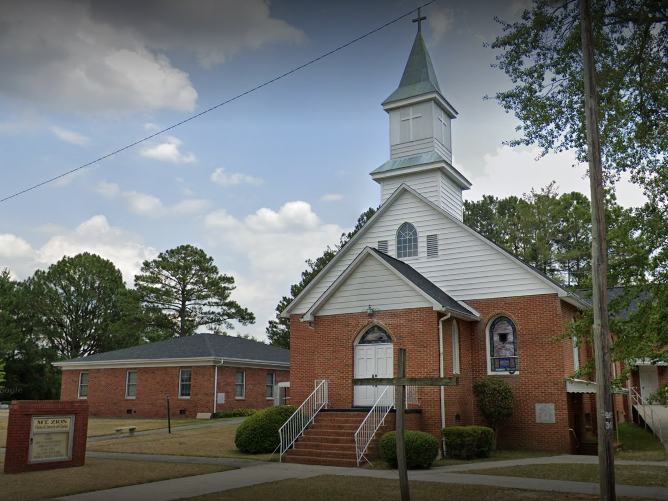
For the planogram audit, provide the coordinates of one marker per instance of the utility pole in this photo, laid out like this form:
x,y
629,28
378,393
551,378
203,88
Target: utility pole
x,y
599,263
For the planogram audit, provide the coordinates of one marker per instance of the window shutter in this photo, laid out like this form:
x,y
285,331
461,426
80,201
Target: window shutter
x,y
382,246
432,245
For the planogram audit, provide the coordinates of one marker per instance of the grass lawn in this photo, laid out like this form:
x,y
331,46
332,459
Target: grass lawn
x,y
639,445
499,455
650,476
107,426
335,488
97,474
214,441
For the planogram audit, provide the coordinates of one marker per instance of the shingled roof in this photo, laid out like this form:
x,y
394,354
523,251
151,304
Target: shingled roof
x,y
198,346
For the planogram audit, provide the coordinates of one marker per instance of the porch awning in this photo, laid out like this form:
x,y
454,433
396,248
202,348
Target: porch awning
x,y
584,386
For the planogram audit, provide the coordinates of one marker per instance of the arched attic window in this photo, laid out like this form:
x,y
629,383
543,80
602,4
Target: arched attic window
x,y
407,241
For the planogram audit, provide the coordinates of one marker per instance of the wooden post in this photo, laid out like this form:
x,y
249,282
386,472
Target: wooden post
x,y
598,263
401,427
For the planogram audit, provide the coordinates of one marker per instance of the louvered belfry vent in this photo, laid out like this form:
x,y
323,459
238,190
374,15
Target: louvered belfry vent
x,y
382,246
432,245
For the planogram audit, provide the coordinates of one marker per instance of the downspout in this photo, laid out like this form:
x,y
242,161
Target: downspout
x,y
215,389
441,372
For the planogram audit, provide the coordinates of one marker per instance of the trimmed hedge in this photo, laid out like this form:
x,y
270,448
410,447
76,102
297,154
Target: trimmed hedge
x,y
259,433
468,442
236,413
421,449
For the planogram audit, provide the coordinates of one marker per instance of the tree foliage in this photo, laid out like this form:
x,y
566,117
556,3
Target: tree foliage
x,y
74,304
495,401
185,285
278,331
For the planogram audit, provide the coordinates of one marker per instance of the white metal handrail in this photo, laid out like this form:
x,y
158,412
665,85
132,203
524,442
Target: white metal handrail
x,y
373,420
654,420
299,421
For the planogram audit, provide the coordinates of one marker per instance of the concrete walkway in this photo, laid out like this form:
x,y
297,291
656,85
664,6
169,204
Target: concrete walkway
x,y
255,472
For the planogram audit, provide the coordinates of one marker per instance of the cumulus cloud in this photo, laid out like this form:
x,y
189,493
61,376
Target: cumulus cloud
x,y
145,204
12,246
100,57
191,206
70,136
440,21
332,197
168,152
107,190
142,203
220,176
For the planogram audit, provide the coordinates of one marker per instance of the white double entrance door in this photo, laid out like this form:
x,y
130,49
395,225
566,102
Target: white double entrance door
x,y
649,380
372,360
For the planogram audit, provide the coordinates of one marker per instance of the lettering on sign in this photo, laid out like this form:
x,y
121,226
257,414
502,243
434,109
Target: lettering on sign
x,y
51,438
50,446
52,424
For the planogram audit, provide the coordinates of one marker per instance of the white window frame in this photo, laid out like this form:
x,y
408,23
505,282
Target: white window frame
x,y
271,385
242,384
127,385
455,348
399,247
181,385
81,374
490,372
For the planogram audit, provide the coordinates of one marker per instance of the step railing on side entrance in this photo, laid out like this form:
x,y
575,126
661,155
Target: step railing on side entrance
x,y
376,417
299,421
648,415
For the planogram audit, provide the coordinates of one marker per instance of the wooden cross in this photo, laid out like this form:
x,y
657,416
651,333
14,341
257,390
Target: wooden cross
x,y
444,124
410,119
419,19
401,382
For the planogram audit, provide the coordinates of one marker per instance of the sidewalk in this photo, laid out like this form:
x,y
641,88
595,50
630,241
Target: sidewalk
x,y
255,472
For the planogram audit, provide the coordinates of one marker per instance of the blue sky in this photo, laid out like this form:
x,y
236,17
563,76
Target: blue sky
x,y
261,184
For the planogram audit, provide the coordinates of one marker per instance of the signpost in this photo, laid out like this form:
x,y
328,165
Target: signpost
x,y
401,382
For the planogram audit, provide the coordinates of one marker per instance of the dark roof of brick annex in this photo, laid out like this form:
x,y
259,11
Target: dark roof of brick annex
x,y
616,292
196,346
423,283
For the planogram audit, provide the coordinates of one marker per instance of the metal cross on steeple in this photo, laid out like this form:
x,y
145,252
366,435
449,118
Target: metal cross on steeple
x,y
419,19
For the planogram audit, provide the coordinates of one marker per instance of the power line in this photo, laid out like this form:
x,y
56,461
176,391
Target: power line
x,y
214,107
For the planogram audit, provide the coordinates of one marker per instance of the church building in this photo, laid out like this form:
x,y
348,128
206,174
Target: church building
x,y
416,277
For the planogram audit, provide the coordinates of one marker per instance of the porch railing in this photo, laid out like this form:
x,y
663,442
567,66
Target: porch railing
x,y
373,420
299,421
652,419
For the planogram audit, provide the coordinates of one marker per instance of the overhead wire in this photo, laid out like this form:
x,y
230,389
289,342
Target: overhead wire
x,y
238,96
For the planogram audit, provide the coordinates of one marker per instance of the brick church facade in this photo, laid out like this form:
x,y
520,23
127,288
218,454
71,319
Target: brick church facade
x,y
416,277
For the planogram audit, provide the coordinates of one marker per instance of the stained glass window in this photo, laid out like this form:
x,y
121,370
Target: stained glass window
x,y
503,345
375,335
407,241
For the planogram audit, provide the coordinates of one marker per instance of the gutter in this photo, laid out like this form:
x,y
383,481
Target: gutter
x,y
215,389
441,370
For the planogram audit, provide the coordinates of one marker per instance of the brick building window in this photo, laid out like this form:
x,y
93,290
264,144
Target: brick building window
x,y
271,382
407,241
83,385
502,344
240,386
131,384
184,383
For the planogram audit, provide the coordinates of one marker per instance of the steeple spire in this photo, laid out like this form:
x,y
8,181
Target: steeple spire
x,y
419,19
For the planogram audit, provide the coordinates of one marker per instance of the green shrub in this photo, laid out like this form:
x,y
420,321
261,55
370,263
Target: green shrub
x,y
236,413
259,433
421,449
468,442
495,400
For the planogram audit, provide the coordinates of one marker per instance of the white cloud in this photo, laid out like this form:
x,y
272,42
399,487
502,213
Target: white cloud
x,y
332,197
220,176
168,152
145,204
142,203
191,206
151,126
12,246
293,217
440,21
70,136
107,190
529,171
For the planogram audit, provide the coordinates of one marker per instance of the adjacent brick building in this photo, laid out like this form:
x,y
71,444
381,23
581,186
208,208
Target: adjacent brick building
x,y
201,373
416,277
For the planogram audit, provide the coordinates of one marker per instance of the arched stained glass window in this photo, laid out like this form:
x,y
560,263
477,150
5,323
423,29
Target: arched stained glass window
x,y
407,241
375,335
503,345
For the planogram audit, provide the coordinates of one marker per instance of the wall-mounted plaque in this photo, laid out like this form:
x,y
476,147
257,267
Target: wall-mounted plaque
x,y
545,413
51,438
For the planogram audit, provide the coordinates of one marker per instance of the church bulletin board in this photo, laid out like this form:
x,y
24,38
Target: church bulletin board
x,y
46,434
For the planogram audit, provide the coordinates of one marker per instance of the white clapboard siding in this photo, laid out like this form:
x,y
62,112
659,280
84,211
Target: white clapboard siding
x,y
425,183
411,148
451,197
466,267
372,284
445,152
442,132
403,130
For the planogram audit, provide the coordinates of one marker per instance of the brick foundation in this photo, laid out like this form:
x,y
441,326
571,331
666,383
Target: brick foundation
x,y
19,427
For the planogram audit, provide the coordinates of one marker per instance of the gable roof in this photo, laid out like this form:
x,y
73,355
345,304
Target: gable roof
x,y
199,349
554,285
439,299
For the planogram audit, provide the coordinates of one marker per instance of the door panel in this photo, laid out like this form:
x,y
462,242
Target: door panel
x,y
371,360
649,380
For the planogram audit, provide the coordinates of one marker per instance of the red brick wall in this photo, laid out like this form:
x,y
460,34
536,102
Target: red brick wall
x,y
106,390
19,427
326,351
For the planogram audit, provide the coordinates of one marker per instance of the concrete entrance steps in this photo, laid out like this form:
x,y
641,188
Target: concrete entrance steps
x,y
330,439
